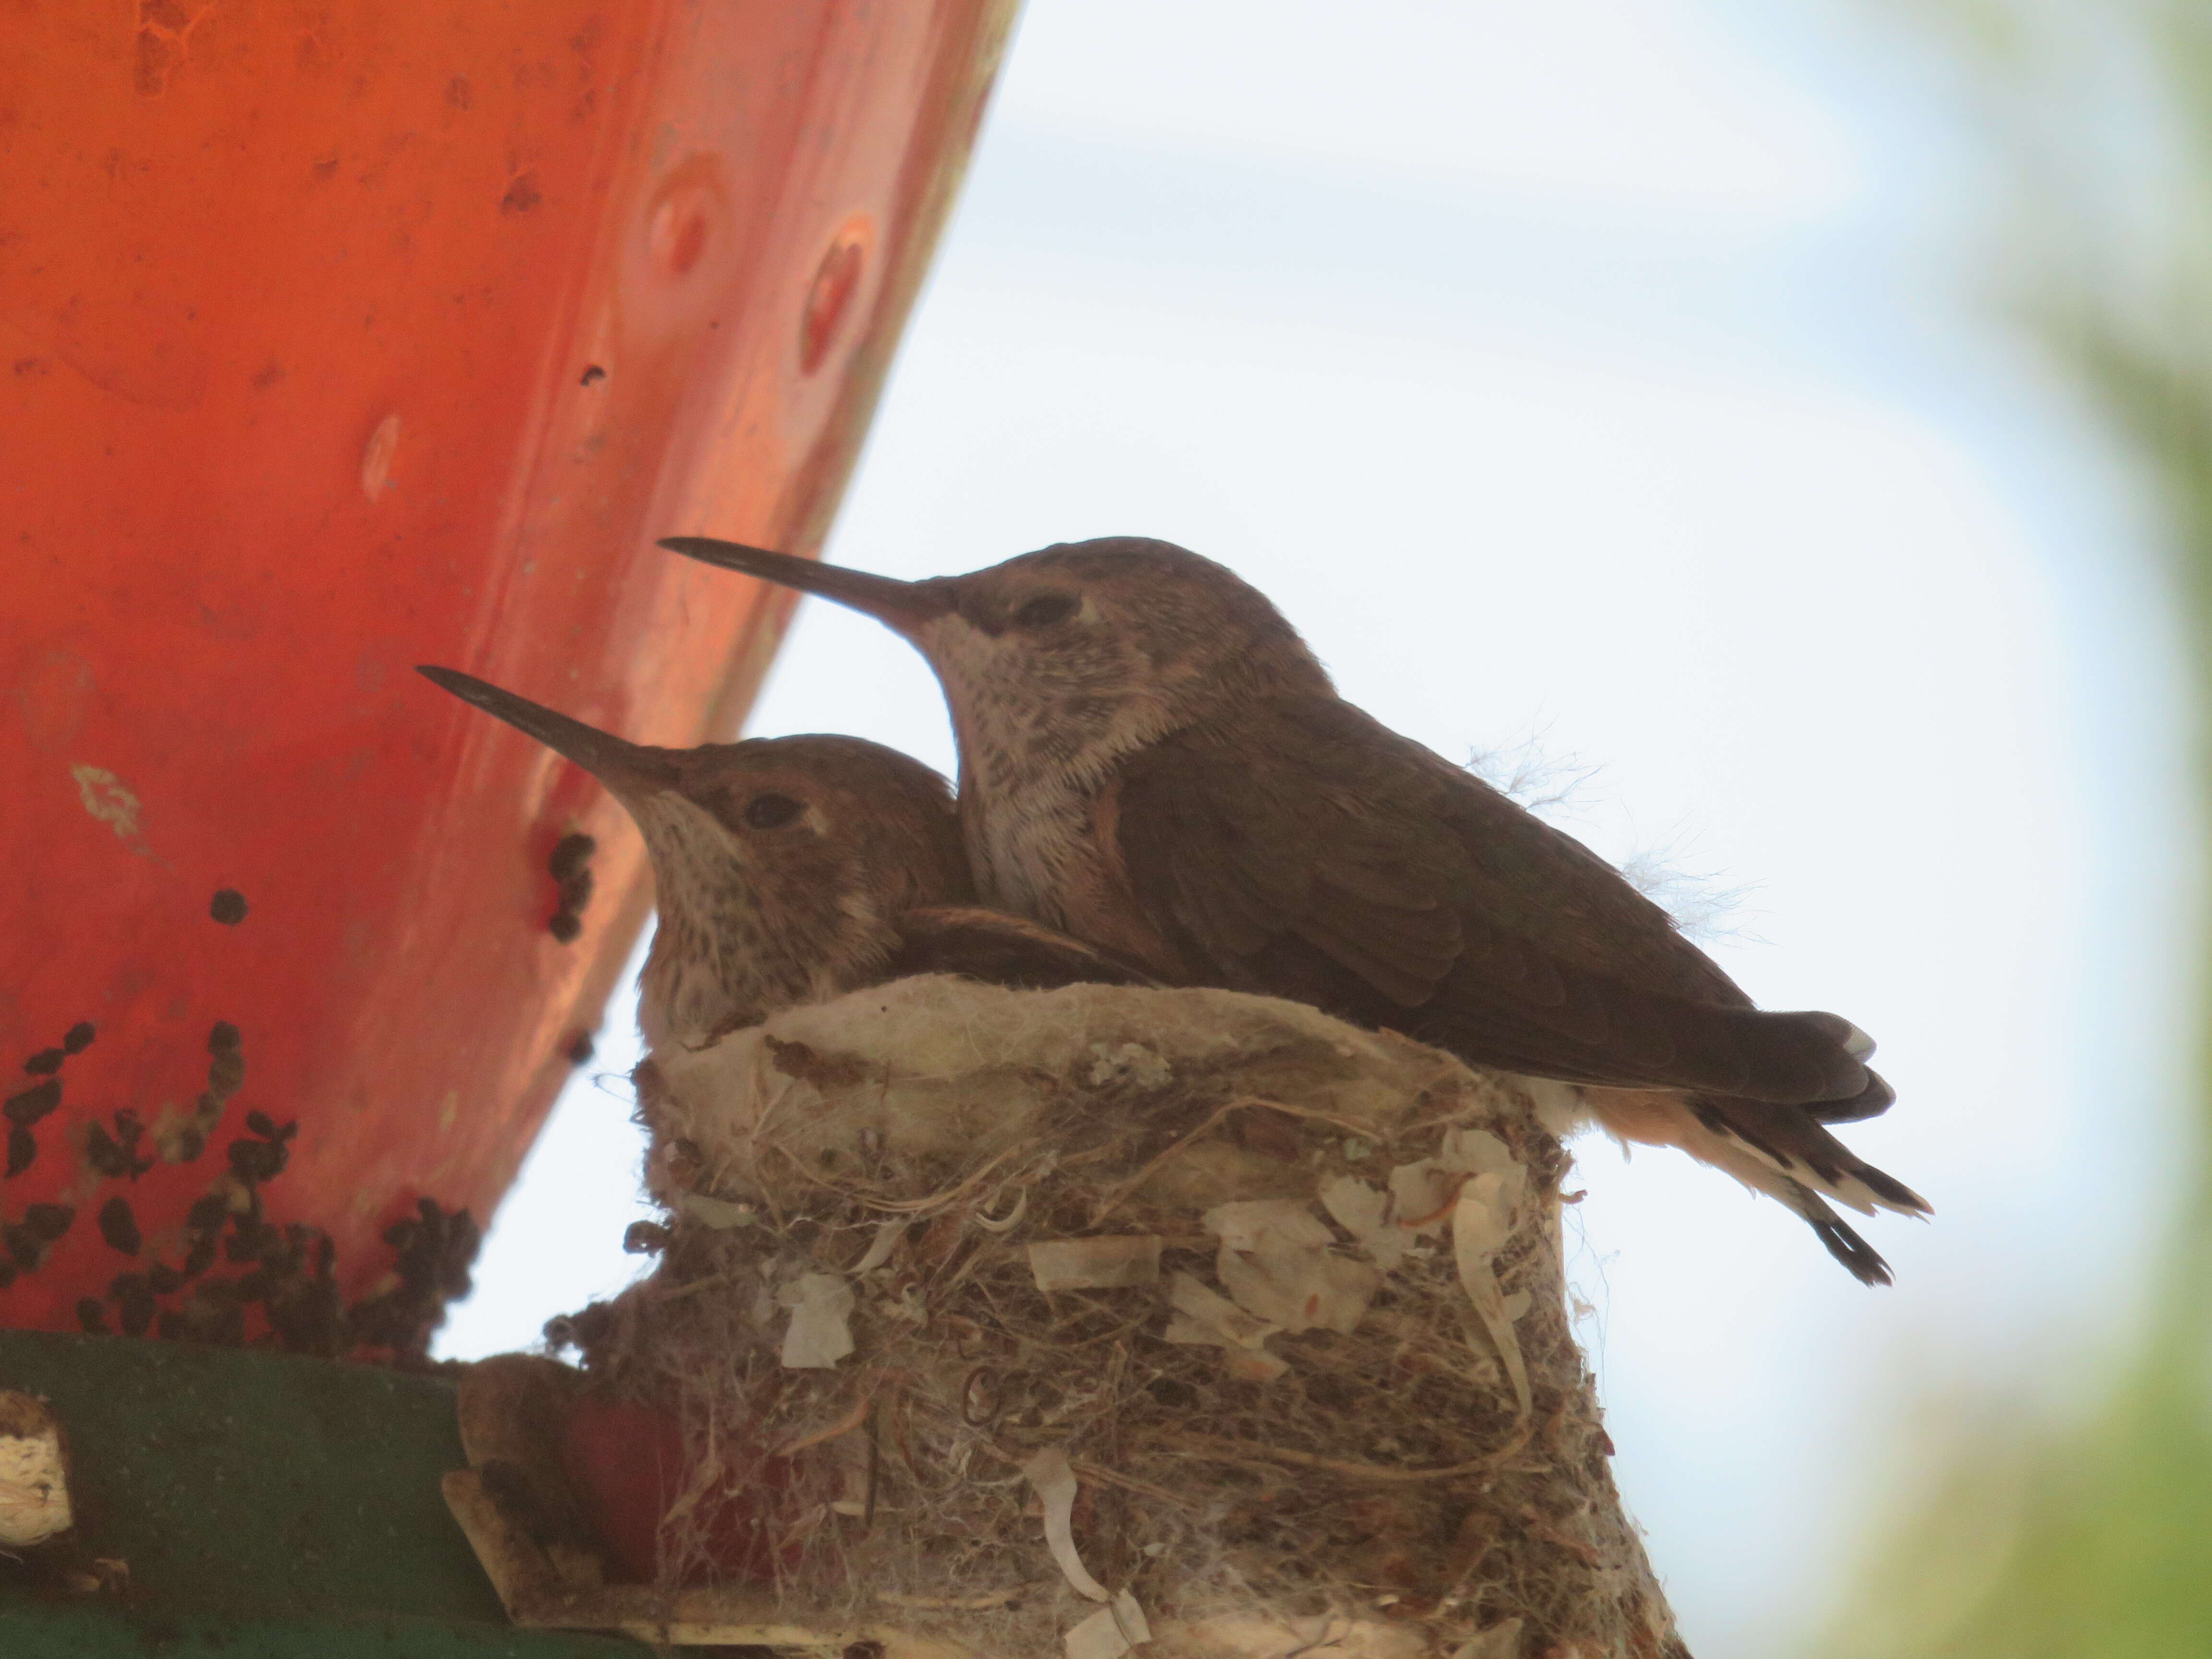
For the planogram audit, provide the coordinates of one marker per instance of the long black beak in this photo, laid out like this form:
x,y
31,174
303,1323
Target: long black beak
x,y
627,768
898,605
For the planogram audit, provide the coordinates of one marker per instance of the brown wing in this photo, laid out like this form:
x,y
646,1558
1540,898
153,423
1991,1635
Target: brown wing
x,y
1310,851
1002,949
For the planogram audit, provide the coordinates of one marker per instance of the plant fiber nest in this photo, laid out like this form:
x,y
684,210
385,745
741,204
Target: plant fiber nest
x,y
1104,1317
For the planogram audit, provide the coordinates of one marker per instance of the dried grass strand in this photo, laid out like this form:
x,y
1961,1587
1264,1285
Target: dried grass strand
x,y
1252,1451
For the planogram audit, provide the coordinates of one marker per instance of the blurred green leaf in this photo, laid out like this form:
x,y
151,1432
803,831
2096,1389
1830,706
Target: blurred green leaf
x,y
2092,1538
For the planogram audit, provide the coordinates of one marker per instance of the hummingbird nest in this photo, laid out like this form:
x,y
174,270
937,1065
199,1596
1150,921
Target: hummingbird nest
x,y
1101,1316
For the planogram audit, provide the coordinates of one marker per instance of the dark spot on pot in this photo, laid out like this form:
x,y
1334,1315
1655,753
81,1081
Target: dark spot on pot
x,y
522,194
120,1227
252,1241
45,1062
580,1048
257,1160
229,906
78,1037
570,866
135,1307
22,1147
224,1035
226,1075
215,1312
592,375
48,1222
576,891
92,1315
305,1312
116,1155
102,1151
27,1108
436,1249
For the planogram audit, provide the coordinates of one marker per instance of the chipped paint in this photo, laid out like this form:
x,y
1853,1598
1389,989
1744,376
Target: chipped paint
x,y
376,459
110,802
162,43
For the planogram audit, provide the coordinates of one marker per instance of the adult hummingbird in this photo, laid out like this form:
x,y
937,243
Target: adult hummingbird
x,y
790,870
1152,759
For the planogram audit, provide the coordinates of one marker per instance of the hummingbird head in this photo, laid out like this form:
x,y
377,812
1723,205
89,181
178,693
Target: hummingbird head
x,y
1067,657
781,865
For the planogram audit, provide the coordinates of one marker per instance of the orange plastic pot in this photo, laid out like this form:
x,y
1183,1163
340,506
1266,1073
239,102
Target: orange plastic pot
x,y
337,337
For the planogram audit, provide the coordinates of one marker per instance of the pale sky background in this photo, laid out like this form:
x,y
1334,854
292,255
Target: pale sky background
x,y
1610,375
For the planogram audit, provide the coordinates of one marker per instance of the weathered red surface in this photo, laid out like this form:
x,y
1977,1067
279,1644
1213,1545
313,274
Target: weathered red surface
x,y
625,1464
339,337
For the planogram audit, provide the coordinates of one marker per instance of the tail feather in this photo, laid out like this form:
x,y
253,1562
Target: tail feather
x,y
1860,1259
1779,1151
1856,1043
1802,1149
1872,1101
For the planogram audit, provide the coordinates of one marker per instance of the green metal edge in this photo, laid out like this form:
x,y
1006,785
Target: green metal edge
x,y
264,1503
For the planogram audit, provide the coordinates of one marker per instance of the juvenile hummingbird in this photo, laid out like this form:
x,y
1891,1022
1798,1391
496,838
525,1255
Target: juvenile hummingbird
x,y
790,870
1152,759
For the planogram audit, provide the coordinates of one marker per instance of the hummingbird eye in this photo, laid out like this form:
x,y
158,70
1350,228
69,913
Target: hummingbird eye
x,y
772,811
1046,609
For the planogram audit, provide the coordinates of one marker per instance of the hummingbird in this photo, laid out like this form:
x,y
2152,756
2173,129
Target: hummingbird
x,y
1153,760
791,870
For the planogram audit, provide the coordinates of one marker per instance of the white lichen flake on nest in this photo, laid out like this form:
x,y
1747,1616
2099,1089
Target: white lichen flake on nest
x,y
1108,1318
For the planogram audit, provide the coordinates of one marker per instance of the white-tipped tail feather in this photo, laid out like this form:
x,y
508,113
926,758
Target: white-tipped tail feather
x,y
1656,1117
